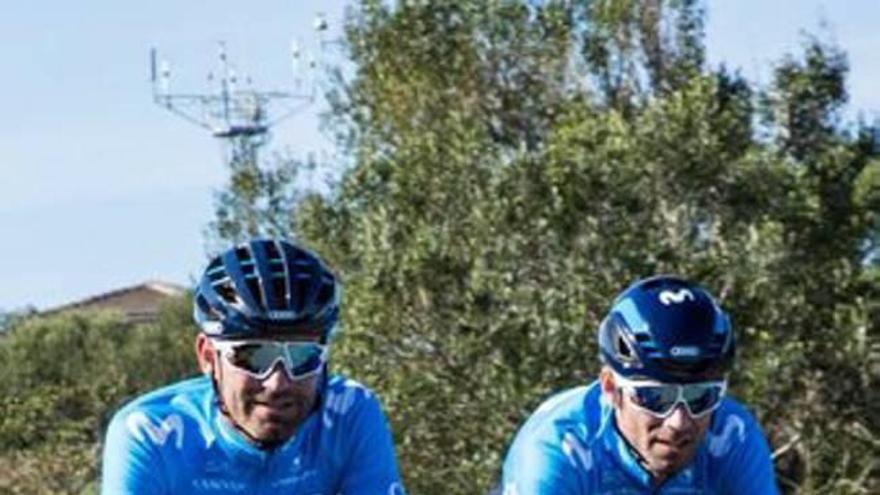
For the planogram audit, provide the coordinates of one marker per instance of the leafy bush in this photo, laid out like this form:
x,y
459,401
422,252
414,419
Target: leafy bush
x,y
64,375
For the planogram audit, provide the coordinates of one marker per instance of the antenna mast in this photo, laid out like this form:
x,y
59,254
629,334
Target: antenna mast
x,y
235,111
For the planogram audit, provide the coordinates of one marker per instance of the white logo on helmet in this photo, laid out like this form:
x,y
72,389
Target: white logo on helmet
x,y
212,327
685,351
668,297
282,314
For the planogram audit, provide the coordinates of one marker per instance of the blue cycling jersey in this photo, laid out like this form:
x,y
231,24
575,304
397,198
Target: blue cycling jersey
x,y
570,446
175,441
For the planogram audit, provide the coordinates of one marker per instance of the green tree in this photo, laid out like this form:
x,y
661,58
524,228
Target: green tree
x,y
257,200
62,378
516,164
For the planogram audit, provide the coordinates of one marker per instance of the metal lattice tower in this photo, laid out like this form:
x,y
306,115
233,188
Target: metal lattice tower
x,y
234,111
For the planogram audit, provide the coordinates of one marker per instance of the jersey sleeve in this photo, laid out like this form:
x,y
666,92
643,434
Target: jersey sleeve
x,y
130,465
371,467
746,462
536,466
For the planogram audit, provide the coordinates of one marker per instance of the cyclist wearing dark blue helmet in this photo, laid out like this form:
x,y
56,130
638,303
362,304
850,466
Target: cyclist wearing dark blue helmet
x,y
266,417
657,420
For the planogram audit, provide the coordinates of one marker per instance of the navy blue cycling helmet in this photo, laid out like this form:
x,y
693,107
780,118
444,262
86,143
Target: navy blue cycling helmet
x,y
267,288
667,329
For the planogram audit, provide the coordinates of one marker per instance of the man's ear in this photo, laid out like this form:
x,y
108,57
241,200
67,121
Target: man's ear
x,y
606,382
205,354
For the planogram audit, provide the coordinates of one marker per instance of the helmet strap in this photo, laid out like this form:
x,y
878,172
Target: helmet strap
x,y
632,450
221,406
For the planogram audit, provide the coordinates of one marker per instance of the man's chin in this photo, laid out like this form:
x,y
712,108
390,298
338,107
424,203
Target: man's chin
x,y
668,459
270,432
274,422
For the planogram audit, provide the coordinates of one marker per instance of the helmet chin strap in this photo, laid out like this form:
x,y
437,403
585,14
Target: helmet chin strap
x,y
632,449
221,405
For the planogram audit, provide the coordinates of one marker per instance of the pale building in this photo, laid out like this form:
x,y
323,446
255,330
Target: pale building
x,y
138,303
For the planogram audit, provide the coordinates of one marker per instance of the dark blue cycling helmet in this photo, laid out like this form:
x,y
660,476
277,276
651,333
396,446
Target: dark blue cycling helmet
x,y
667,329
267,288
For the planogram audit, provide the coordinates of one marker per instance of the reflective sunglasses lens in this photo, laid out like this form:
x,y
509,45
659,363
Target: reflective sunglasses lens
x,y
659,399
702,398
304,359
256,358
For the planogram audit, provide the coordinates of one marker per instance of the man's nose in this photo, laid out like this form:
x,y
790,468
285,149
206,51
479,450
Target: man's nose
x,y
278,379
680,419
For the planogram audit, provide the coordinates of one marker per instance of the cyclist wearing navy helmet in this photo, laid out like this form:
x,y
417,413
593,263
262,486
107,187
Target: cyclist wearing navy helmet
x,y
266,417
657,420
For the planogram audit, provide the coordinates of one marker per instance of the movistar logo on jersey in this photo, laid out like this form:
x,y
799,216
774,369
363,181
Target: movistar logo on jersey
x,y
679,296
734,430
140,426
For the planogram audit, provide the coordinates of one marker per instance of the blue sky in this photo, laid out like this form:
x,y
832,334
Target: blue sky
x,y
101,189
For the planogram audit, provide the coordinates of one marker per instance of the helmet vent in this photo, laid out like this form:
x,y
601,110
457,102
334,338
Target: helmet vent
x,y
299,291
279,290
226,291
206,308
253,284
215,270
623,350
243,254
277,277
248,269
272,253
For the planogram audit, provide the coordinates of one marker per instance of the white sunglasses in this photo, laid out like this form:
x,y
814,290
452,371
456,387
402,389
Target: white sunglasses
x,y
257,358
660,399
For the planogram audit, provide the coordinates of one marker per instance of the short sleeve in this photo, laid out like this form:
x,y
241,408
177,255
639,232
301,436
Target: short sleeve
x,y
536,466
746,465
371,467
130,464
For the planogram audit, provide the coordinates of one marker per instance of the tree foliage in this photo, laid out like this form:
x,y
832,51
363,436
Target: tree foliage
x,y
517,164
257,200
62,378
